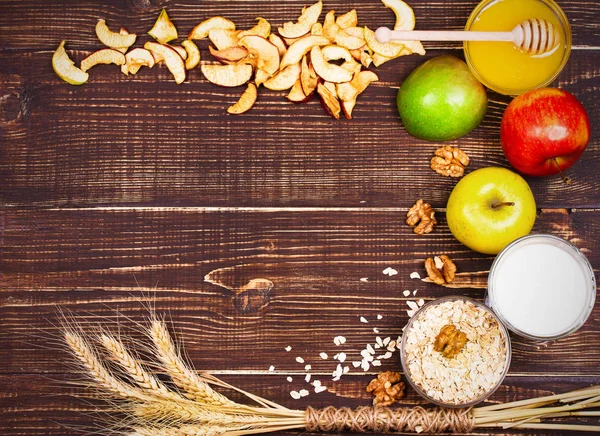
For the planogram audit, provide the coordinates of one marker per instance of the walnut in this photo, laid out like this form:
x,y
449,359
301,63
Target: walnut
x,y
387,388
423,214
440,269
449,341
449,161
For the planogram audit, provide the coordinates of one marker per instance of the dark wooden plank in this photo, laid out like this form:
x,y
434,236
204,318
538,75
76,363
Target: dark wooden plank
x,y
38,405
193,264
45,24
147,141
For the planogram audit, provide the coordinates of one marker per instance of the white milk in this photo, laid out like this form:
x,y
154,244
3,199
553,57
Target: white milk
x,y
542,287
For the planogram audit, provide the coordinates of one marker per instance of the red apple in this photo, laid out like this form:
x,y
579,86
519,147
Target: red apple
x,y
544,131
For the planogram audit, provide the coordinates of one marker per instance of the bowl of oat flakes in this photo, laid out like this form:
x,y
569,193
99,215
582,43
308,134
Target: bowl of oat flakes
x,y
455,352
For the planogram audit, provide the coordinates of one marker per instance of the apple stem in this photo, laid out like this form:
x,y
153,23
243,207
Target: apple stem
x,y
502,203
565,179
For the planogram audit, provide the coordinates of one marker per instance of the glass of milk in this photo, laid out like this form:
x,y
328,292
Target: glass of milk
x,y
541,287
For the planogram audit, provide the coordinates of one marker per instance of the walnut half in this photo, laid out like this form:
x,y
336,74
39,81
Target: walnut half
x,y
422,216
449,341
449,161
387,388
440,270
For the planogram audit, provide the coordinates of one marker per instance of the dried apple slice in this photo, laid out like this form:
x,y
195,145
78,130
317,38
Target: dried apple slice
x,y
113,39
266,53
309,17
308,77
358,32
202,30
229,55
389,50
285,79
261,77
250,60
193,54
317,29
297,50
65,68
379,60
173,61
137,58
223,38
103,56
163,30
229,76
405,17
348,41
123,50
329,101
347,108
279,43
296,94
366,59
350,90
349,19
325,70
262,28
180,51
246,101
330,28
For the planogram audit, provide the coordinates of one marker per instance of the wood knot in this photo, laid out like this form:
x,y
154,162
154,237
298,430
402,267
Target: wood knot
x,y
144,5
253,296
10,107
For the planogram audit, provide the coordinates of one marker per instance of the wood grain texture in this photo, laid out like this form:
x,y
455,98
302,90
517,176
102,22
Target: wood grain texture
x,y
147,141
194,264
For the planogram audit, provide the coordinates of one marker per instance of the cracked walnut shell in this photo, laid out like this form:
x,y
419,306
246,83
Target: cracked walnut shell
x,y
449,161
387,388
440,270
449,341
422,216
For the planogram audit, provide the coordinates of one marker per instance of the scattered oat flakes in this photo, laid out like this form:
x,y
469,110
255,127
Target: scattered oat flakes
x,y
307,367
356,364
412,305
303,393
363,320
376,363
406,293
390,271
289,379
415,275
375,330
320,389
339,340
323,356
386,341
379,316
410,313
346,369
364,279
370,349
307,378
316,383
271,368
342,357
414,292
365,365
295,395
379,341
288,348
299,359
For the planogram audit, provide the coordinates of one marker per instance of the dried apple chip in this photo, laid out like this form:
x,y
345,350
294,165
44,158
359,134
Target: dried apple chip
x,y
163,30
113,39
180,51
325,70
172,60
296,94
202,30
229,55
137,58
308,77
123,50
103,56
349,19
261,77
405,17
285,79
246,101
266,53
317,29
262,28
329,101
296,51
65,68
223,38
348,41
228,76
279,43
305,22
193,54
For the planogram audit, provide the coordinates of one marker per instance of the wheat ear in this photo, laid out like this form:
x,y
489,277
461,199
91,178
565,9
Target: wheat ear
x,y
135,370
186,430
99,373
180,373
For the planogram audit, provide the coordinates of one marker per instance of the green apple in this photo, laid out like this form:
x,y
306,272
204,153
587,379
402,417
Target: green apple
x,y
489,208
441,100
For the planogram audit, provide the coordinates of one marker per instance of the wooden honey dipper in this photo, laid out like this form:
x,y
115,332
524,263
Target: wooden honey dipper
x,y
535,36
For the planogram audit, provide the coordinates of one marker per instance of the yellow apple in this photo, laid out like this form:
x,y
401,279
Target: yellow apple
x,y
489,208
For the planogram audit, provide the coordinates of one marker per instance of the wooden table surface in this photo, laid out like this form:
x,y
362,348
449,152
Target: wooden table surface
x,y
134,191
